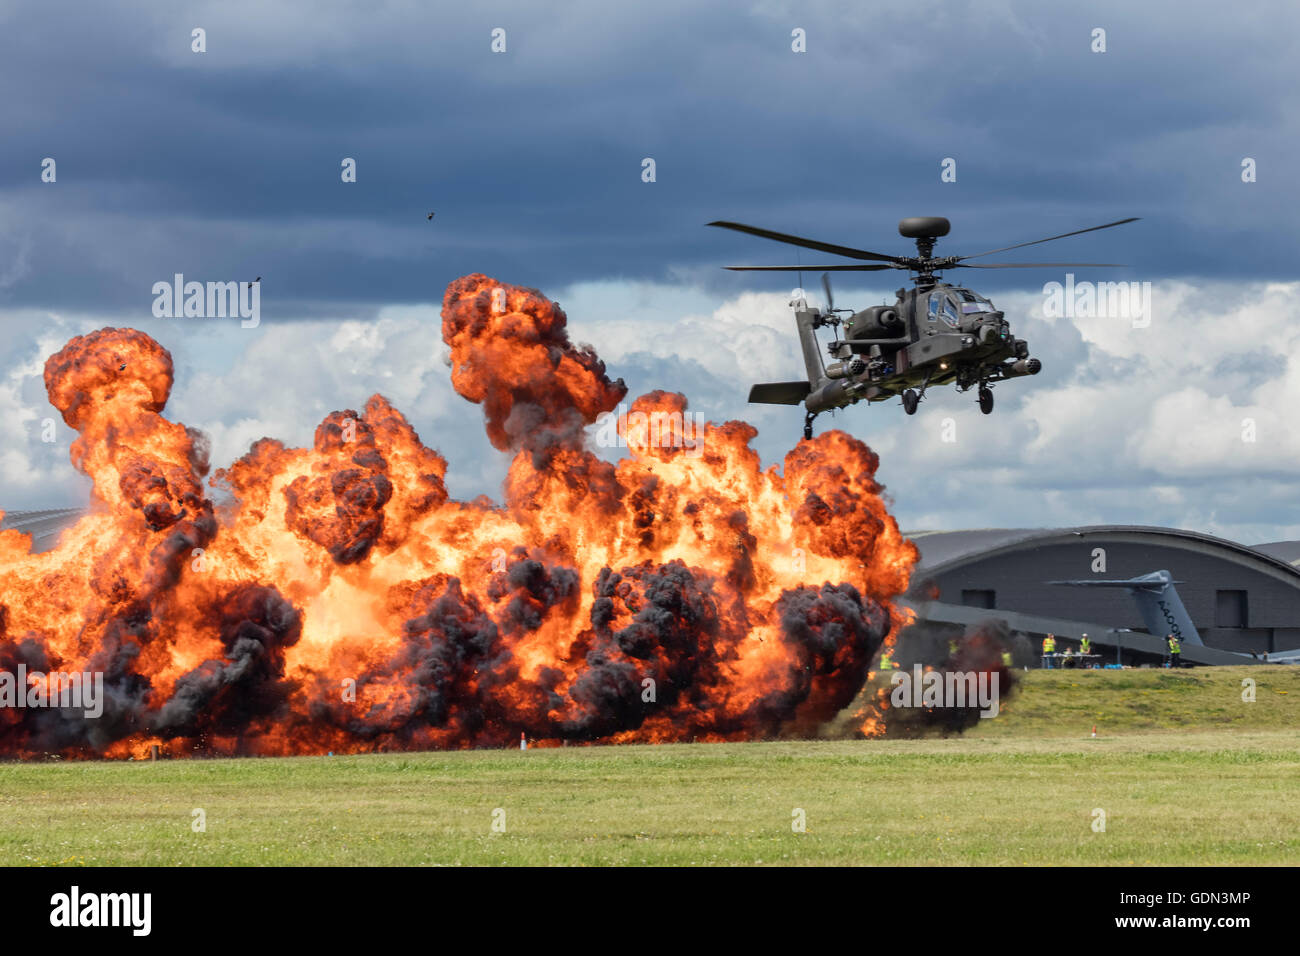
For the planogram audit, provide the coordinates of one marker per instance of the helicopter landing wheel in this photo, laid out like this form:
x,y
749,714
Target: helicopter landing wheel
x,y
910,401
807,425
986,399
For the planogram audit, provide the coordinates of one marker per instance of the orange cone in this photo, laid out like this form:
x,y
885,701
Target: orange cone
x,y
1094,730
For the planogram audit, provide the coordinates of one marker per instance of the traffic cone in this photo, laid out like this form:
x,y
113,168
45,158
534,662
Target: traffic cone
x,y
523,740
1094,730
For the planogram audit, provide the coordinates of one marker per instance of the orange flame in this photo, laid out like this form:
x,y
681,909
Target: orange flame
x,y
340,600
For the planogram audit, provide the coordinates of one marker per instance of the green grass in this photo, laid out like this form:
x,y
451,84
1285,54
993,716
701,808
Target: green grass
x,y
1207,792
1068,702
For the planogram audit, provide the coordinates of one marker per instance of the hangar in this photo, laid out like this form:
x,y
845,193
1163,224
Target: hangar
x,y
1244,602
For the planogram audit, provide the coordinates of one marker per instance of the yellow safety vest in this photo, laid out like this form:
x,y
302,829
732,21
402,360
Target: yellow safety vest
x,y
1049,645
1174,646
1006,658
1085,646
885,662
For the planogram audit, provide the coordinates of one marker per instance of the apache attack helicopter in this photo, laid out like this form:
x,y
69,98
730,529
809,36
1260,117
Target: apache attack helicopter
x,y
935,334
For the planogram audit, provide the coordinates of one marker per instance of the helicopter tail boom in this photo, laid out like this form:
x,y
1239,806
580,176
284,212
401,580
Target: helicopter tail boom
x,y
807,321
778,393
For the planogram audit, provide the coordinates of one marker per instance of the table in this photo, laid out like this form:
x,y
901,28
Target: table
x,y
1067,660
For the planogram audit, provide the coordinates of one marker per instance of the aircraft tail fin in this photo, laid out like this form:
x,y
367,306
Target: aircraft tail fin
x,y
1157,600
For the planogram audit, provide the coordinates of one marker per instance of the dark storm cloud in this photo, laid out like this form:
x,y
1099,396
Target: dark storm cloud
x,y
226,164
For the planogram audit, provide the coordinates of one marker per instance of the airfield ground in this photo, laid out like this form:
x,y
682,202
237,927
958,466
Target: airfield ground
x,y
1185,771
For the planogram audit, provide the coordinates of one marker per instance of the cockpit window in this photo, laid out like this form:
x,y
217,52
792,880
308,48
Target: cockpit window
x,y
949,313
970,302
950,306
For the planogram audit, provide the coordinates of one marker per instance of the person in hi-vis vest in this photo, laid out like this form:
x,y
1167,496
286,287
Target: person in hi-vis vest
x,y
1049,648
1175,651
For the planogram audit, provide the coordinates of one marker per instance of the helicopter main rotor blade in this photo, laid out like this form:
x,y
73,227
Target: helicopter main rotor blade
x,y
1077,232
1042,265
805,243
809,268
826,287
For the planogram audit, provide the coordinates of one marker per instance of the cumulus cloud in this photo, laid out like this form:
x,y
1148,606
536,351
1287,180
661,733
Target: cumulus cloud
x,y
1183,422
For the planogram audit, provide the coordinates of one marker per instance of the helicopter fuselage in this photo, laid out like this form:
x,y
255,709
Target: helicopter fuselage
x,y
938,335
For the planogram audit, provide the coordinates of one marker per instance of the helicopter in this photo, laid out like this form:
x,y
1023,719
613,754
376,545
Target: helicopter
x,y
934,334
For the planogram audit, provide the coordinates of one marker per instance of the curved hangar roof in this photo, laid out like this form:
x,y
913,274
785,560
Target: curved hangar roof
x,y
1288,551
943,551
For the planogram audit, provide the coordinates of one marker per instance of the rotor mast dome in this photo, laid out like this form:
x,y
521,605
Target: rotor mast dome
x,y
923,227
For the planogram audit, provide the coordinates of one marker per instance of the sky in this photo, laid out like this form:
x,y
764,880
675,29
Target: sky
x,y
225,165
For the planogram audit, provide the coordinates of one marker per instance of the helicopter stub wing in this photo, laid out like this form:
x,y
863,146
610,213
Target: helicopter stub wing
x,y
779,393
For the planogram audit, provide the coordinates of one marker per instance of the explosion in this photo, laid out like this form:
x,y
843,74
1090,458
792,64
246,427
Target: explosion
x,y
978,653
336,598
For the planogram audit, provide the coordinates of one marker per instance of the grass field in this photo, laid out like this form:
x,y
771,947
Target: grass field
x,y
1181,782
1068,702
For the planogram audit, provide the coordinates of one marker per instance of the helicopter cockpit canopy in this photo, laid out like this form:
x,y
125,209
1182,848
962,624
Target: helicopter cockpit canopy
x,y
949,305
972,302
